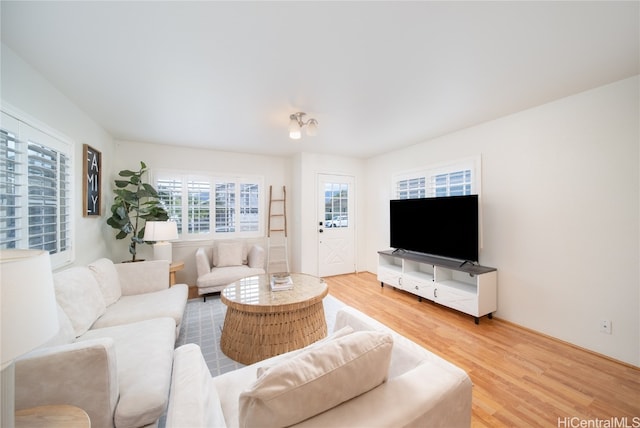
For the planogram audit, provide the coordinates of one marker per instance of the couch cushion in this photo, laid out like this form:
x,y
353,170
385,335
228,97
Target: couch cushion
x,y
216,244
226,275
65,334
139,307
317,380
107,276
263,367
231,384
144,352
229,254
78,293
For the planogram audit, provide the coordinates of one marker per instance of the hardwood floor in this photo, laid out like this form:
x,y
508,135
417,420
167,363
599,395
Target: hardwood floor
x,y
520,378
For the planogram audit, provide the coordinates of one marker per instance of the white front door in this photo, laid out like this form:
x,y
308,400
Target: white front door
x,y
336,225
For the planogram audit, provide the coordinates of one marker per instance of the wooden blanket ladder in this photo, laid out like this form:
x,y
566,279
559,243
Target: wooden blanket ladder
x,y
277,253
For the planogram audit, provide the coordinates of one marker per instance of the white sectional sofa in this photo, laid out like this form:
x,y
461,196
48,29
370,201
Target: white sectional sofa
x,y
113,354
363,375
225,262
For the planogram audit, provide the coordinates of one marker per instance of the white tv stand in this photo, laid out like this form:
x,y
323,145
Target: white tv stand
x,y
468,288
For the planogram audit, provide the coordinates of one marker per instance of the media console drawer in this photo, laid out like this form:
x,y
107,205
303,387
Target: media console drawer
x,y
389,276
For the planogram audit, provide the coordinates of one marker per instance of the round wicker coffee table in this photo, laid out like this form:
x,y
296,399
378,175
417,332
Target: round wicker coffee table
x,y
261,323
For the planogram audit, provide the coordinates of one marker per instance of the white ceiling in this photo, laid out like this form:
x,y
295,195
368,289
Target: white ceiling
x,y
376,75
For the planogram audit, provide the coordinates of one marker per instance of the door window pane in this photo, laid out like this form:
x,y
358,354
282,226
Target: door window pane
x,y
336,210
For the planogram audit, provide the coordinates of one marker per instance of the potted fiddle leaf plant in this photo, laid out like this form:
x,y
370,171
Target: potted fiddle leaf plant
x,y
135,203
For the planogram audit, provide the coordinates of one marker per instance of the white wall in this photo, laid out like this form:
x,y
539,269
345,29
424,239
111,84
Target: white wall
x,y
25,90
560,201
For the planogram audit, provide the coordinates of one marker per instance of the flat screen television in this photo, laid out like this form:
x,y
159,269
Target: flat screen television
x,y
443,226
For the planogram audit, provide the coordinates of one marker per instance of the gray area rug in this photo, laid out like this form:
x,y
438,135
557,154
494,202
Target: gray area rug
x,y
202,324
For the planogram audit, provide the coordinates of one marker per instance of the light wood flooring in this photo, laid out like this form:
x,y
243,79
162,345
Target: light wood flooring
x,y
520,378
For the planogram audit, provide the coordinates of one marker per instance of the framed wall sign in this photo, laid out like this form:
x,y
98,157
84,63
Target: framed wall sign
x,y
92,181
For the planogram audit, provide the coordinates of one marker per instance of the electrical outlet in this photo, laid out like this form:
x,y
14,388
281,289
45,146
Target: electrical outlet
x,y
605,326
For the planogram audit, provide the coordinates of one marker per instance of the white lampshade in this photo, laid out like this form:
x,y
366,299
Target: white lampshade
x,y
29,315
295,132
160,231
312,128
29,312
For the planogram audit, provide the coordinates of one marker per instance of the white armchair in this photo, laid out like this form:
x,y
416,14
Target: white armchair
x,y
227,262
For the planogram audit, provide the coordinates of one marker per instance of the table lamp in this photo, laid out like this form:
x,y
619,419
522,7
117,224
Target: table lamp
x,y
161,232
29,315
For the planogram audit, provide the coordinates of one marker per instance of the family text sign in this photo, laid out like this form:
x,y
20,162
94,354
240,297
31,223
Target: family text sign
x,y
92,181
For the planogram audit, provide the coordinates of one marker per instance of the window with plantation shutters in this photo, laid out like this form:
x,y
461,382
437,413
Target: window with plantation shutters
x,y
35,190
225,207
206,206
454,179
454,183
199,206
411,188
249,218
170,193
10,189
48,175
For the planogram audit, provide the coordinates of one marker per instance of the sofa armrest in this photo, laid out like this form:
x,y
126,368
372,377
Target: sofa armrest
x,y
143,277
82,374
405,355
203,266
255,258
349,316
422,397
194,400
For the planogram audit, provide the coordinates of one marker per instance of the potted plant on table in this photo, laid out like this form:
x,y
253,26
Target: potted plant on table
x,y
135,203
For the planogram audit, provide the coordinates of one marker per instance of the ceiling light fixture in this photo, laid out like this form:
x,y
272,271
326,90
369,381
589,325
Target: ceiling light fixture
x,y
297,123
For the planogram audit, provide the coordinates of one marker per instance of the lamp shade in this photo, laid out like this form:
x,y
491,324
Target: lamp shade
x,y
160,231
29,312
312,128
295,132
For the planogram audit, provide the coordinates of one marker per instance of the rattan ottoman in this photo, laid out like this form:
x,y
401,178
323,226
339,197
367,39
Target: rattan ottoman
x,y
261,323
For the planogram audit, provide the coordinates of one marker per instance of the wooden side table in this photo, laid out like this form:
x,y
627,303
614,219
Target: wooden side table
x,y
173,268
60,416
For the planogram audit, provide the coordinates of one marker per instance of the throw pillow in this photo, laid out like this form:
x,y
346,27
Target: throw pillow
x,y
333,336
229,254
108,280
317,380
78,293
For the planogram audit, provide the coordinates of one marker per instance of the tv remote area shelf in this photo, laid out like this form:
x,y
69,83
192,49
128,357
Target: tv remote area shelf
x,y
467,287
